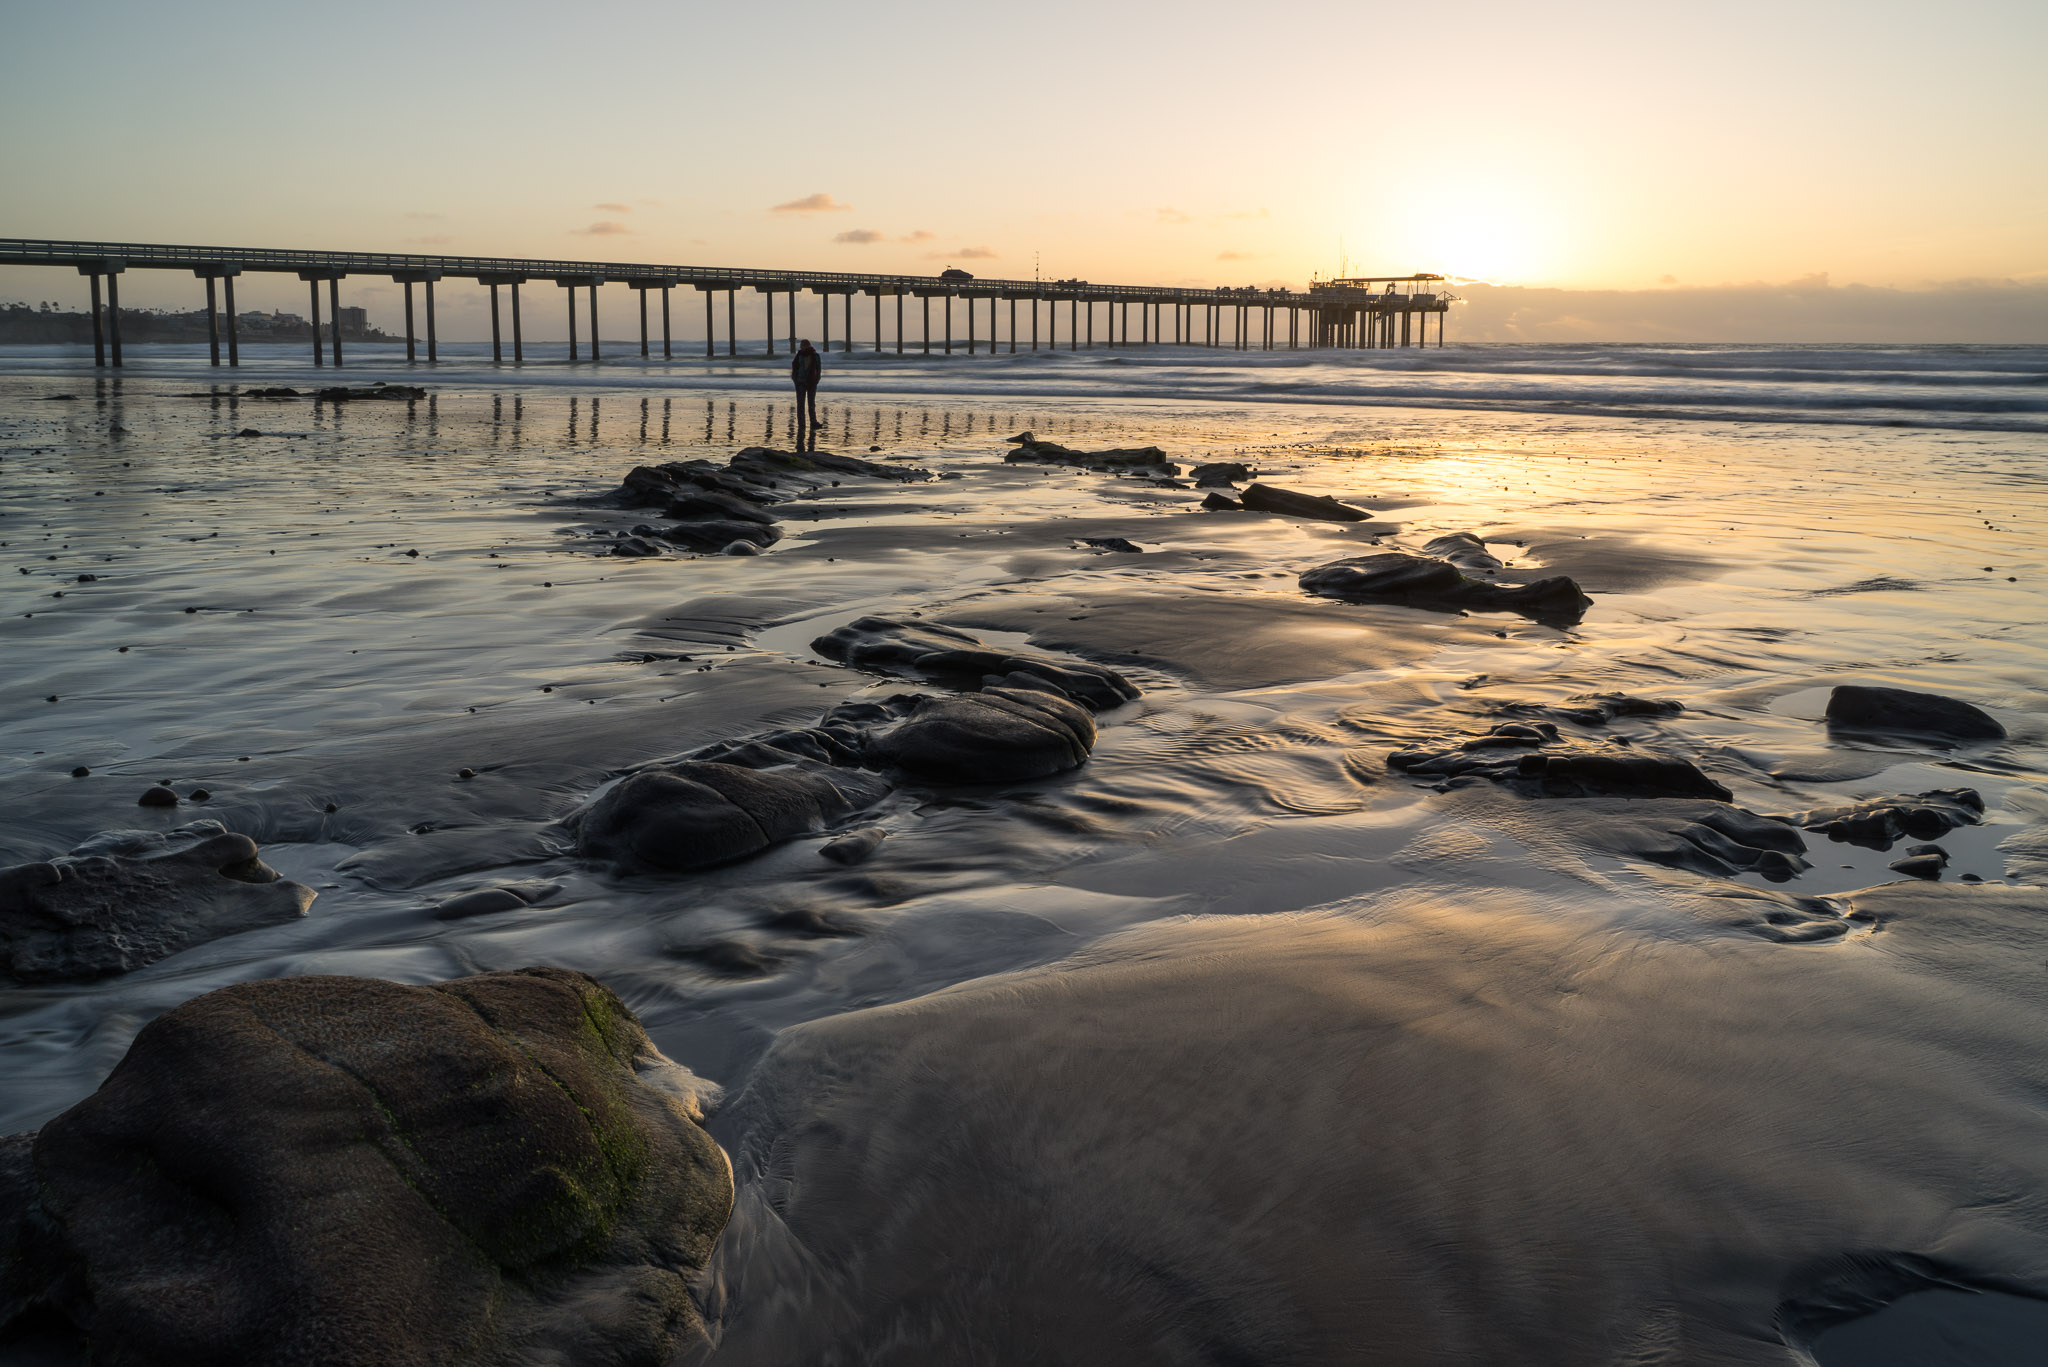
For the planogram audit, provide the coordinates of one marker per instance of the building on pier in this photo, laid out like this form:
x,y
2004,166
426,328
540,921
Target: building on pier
x,y
1351,312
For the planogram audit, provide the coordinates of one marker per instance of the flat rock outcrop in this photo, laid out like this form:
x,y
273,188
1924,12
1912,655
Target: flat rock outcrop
x,y
730,508
330,1171
1596,709
1859,707
1150,459
1464,550
1423,581
1536,761
1880,822
1222,473
943,655
1267,498
128,898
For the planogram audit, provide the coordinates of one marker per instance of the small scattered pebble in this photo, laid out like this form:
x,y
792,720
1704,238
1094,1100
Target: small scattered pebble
x,y
159,796
81,772
466,773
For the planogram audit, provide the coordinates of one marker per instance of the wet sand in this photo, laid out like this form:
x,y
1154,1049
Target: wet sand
x,y
1233,1045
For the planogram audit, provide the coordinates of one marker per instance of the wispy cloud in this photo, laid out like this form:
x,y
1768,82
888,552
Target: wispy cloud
x,y
419,214
858,236
962,254
919,235
606,228
614,208
820,203
1237,256
1172,216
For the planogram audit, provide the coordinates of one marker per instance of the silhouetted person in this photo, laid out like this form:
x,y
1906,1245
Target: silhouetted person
x,y
804,371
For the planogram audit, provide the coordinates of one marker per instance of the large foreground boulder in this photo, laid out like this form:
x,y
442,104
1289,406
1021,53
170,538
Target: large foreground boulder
x,y
942,655
128,898
694,814
1398,577
999,735
1858,707
327,1171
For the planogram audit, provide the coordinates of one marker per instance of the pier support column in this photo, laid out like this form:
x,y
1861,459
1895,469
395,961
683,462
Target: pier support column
x,y
319,357
792,322
99,339
970,324
643,323
710,330
409,349
770,298
570,292
926,300
824,322
1073,324
878,325
1034,322
846,319
1091,323
227,284
497,346
518,342
591,292
114,318
1013,323
212,325
732,326
949,324
667,343
433,343
899,324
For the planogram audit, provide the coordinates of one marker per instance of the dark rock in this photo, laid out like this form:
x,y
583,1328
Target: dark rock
x,y
319,1171
199,795
855,846
248,432
1265,498
733,958
1919,866
1934,850
1149,458
1514,757
1219,503
716,505
129,898
944,655
710,536
1395,576
740,548
82,772
345,393
157,796
272,392
1860,708
482,902
1464,550
1219,473
1881,822
1000,735
693,814
635,546
1112,543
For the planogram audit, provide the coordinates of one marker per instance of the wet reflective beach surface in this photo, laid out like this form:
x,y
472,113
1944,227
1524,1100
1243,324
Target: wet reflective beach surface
x,y
1237,1043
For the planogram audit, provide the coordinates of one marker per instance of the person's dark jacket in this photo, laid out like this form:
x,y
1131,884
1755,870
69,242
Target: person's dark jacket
x,y
805,369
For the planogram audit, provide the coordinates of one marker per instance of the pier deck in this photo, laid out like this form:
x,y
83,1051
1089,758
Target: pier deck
x,y
1377,311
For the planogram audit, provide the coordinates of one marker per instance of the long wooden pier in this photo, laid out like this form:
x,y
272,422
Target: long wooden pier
x,y
1358,311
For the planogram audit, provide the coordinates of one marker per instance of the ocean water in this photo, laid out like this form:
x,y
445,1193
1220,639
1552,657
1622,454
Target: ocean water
x,y
1233,1044
1994,388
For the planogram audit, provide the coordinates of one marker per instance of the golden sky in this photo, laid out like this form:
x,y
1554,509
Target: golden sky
x,y
1581,145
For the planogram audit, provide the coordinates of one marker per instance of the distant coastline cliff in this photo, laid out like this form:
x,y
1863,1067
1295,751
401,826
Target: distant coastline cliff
x,y
21,323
